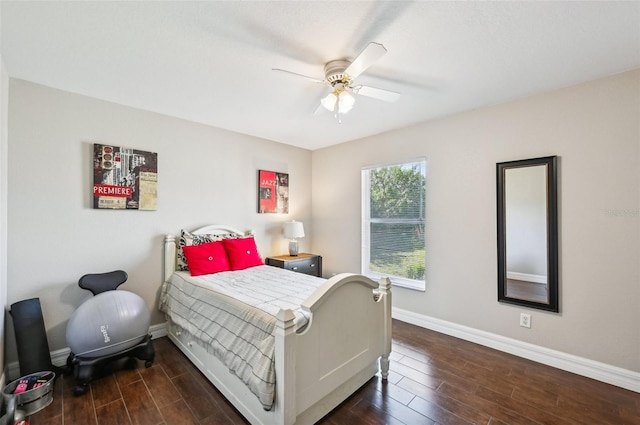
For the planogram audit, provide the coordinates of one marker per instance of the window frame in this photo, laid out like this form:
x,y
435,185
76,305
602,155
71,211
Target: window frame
x,y
366,220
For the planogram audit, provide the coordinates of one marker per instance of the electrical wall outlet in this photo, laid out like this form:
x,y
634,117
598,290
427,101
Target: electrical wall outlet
x,y
525,320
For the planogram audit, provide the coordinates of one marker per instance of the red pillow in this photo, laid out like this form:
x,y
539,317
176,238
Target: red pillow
x,y
207,258
242,253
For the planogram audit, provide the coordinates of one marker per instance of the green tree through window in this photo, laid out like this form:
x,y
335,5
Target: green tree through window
x,y
394,222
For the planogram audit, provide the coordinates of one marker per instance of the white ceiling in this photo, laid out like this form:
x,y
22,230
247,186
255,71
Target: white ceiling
x,y
211,62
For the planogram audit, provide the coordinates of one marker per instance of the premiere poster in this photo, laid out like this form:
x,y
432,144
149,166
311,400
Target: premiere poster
x,y
124,179
273,192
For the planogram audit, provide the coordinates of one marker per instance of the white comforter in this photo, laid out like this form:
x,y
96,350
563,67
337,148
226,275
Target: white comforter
x,y
232,315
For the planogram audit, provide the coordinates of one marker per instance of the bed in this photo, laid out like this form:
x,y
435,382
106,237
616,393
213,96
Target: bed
x,y
337,339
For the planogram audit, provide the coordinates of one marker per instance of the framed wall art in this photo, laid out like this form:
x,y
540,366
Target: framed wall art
x,y
124,179
273,192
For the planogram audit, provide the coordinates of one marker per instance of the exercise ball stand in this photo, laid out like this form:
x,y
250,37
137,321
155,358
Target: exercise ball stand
x,y
84,362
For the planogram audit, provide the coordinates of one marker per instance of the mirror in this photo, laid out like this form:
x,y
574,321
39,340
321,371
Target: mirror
x,y
528,233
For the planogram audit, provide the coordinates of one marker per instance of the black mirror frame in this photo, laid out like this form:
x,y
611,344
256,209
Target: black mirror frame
x,y
552,232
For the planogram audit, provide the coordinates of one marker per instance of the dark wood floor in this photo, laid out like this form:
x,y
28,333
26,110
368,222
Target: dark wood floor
x,y
530,291
435,379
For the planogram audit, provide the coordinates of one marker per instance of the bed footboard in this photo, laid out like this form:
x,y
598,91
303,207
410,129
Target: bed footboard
x,y
348,336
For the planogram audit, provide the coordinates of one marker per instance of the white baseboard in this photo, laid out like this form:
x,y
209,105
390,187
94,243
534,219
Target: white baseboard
x,y
59,357
526,277
613,375
159,330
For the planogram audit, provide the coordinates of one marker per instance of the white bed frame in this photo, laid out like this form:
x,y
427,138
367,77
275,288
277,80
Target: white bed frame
x,y
348,334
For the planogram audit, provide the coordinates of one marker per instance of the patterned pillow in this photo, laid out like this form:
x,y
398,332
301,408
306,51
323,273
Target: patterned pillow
x,y
188,239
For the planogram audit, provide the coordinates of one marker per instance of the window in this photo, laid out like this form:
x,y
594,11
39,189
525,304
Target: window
x,y
393,223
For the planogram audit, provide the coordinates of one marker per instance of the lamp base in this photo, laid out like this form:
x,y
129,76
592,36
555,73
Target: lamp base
x,y
293,248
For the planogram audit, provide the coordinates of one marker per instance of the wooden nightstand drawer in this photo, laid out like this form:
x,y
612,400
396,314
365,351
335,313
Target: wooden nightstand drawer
x,y
302,263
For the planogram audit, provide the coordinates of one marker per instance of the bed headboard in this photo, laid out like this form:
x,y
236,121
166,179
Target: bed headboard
x,y
170,243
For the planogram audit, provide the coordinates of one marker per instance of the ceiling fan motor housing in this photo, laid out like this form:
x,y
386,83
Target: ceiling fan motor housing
x,y
334,71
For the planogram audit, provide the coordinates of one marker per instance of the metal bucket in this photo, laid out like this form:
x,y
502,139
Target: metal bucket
x,y
31,393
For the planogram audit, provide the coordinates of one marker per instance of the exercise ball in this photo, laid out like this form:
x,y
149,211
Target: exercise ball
x,y
108,323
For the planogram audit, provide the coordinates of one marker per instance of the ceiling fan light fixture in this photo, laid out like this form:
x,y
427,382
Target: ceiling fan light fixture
x,y
329,102
345,102
339,101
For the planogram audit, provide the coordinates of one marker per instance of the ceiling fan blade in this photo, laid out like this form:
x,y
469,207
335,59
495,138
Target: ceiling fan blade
x,y
365,59
380,94
315,80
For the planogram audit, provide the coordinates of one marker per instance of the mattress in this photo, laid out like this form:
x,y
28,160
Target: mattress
x,y
232,315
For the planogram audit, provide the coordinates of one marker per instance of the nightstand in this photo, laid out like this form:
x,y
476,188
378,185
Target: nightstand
x,y
301,263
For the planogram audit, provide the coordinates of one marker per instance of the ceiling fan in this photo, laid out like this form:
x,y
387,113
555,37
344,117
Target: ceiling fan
x,y
340,75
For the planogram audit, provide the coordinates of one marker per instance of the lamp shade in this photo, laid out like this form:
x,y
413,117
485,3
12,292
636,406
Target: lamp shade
x,y
293,229
345,102
342,98
329,102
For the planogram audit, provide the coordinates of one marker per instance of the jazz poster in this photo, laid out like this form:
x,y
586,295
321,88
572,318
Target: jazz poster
x,y
124,179
273,192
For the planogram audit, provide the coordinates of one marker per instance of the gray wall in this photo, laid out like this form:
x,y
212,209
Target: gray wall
x,y
594,128
206,175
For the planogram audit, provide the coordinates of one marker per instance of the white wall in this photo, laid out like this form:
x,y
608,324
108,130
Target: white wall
x,y
206,175
594,128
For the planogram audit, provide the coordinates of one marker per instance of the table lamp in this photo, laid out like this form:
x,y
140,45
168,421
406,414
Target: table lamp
x,y
293,230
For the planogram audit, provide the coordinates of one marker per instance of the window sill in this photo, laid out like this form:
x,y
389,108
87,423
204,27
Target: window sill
x,y
401,282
